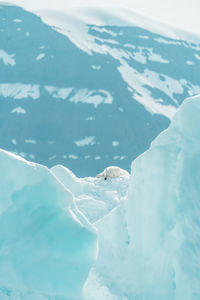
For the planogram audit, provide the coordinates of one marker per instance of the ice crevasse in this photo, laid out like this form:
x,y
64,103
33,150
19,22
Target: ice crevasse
x,y
148,226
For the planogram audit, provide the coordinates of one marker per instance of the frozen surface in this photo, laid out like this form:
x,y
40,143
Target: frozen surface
x,y
147,226
149,244
47,247
163,209
94,197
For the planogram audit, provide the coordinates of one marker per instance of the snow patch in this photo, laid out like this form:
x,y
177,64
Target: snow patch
x,y
89,140
14,141
90,118
115,143
55,92
197,56
72,156
19,91
8,59
190,63
30,141
40,56
95,97
96,67
19,110
17,20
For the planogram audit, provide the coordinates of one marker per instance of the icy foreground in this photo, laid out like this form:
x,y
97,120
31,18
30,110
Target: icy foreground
x,y
162,210
148,239
46,246
149,245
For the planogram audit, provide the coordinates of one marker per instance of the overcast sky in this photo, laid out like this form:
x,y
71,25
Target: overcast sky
x,y
180,13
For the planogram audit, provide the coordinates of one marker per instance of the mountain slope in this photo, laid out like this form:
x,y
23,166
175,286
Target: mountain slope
x,y
88,101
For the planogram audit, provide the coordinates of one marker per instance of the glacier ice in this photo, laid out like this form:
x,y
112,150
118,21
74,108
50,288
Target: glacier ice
x,y
162,211
148,226
47,246
149,244
94,197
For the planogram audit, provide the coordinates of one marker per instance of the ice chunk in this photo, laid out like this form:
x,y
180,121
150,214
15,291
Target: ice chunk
x,y
94,197
163,210
46,245
149,244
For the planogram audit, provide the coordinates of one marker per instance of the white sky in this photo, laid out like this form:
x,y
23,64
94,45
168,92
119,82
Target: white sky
x,y
183,14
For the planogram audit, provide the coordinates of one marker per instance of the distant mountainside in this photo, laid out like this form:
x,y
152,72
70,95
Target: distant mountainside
x,y
92,100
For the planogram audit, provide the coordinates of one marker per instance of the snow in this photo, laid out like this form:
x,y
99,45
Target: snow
x,y
8,59
90,118
137,81
72,22
145,37
197,56
73,156
115,143
19,91
169,42
40,56
95,97
94,197
52,157
17,20
30,141
190,63
144,54
92,97
168,85
138,56
97,157
14,141
19,110
62,93
47,245
156,57
89,140
96,67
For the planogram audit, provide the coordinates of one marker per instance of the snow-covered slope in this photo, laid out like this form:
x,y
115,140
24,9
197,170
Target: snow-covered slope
x,y
89,95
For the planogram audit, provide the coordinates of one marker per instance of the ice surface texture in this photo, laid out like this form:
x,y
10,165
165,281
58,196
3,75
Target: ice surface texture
x,y
149,245
46,245
163,209
148,241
